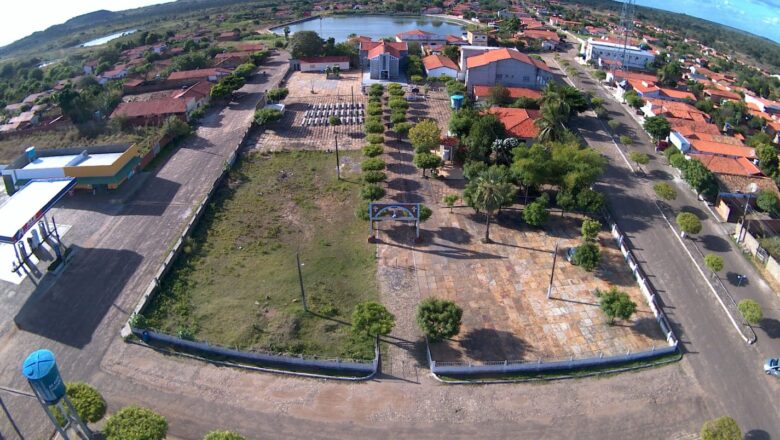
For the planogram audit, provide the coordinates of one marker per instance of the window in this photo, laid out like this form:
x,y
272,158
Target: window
x,y
499,76
526,79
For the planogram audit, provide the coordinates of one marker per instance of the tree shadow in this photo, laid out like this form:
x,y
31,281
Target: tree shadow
x,y
453,235
648,327
403,184
714,243
737,279
402,168
771,327
660,175
757,434
486,344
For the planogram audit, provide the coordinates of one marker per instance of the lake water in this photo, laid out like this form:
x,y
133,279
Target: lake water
x,y
107,38
374,26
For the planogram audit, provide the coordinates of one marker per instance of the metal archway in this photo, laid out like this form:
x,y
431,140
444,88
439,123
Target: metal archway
x,y
402,212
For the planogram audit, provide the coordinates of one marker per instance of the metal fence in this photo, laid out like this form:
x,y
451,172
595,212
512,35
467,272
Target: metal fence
x,y
540,365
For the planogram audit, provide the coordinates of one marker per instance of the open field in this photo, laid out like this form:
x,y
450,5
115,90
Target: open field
x,y
236,284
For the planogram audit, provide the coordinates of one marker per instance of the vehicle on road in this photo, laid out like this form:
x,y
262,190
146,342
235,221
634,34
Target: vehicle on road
x,y
772,366
570,254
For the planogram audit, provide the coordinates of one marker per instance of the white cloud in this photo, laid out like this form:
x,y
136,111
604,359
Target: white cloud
x,y
774,21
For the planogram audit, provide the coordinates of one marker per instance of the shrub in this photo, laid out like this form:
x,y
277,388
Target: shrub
x,y
450,200
88,402
678,161
425,213
266,115
639,157
374,109
223,435
625,140
374,127
590,229
613,124
398,117
375,138
616,304
417,79
536,214
372,319
374,176
722,428
438,319
671,151
277,94
373,164
767,201
601,113
372,191
402,129
374,120
372,150
688,223
665,191
587,255
135,423
361,211
398,104
334,120
751,311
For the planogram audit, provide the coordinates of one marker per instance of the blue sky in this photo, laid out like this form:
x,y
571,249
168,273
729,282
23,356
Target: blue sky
x,y
760,17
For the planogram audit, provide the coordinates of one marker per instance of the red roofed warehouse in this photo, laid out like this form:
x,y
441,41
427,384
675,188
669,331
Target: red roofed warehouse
x,y
508,67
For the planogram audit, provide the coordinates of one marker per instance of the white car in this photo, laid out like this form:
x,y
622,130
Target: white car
x,y
772,366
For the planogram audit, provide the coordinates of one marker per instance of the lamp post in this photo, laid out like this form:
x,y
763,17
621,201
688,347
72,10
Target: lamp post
x,y
751,189
552,272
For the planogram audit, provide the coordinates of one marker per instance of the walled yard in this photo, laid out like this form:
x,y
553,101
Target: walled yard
x,y
236,283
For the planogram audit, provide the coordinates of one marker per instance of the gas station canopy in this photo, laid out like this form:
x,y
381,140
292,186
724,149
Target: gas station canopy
x,y
30,204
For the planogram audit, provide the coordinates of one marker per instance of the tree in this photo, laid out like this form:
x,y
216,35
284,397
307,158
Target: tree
x,y
425,135
492,190
402,130
587,255
722,428
266,115
461,121
665,191
427,161
305,44
244,70
614,124
372,150
375,127
669,74
536,214
751,311
89,404
374,176
452,52
438,319
767,159
498,96
223,435
616,304
175,128
639,157
135,423
657,127
589,200
456,88
483,132
450,200
590,229
373,164
286,33
688,223
700,178
714,263
626,140
551,122
370,319
277,94
767,201
371,191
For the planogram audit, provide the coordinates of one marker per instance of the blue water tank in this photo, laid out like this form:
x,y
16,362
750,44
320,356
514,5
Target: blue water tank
x,y
457,101
40,369
31,154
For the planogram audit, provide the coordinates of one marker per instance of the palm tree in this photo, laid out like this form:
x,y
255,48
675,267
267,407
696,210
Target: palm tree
x,y
493,190
550,124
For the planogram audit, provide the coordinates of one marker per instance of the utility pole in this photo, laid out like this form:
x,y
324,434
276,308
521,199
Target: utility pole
x,y
338,163
552,272
300,281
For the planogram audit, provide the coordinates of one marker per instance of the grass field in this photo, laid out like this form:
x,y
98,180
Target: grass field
x,y
236,282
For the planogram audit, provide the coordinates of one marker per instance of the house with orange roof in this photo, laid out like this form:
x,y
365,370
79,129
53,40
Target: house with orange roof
x,y
518,122
384,59
712,145
508,67
672,109
453,40
737,166
481,92
762,104
548,40
720,96
438,65
420,36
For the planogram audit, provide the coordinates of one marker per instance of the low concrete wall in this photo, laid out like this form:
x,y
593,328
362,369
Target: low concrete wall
x,y
773,268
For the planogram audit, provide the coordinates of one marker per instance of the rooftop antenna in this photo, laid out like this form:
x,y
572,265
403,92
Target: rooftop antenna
x,y
626,27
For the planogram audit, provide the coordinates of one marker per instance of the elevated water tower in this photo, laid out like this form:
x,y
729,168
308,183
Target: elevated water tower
x,y
40,370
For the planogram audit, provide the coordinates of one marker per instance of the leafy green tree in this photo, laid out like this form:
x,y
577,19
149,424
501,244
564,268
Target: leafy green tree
x,y
589,200
334,120
371,191
89,404
461,121
688,223
536,214
492,190
427,161
722,428
456,88
634,100
135,423
286,33
587,255
566,201
452,52
614,124
374,127
374,176
714,263
223,435
700,178
483,132
175,128
244,70
658,127
277,94
767,201
402,130
665,191
767,159
373,164
670,74
626,140
590,229
372,150
305,44
565,98
751,311
498,95
450,200
267,115
616,304
370,319
425,135
438,319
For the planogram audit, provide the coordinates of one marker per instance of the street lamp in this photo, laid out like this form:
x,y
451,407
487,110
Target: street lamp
x,y
752,188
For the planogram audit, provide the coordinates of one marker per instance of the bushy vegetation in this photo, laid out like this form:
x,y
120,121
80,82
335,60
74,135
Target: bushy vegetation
x,y
438,319
135,423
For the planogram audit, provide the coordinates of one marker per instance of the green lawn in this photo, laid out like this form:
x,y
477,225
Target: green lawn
x,y
236,282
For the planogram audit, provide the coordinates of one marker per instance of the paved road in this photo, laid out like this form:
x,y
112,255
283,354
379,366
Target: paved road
x,y
118,248
724,364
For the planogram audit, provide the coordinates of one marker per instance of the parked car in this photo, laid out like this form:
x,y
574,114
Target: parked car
x,y
570,254
772,366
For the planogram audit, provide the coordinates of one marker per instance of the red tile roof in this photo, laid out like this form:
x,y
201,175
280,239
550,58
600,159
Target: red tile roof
x,y
376,48
723,94
519,122
198,73
722,149
199,90
727,165
325,59
493,56
514,92
437,61
538,34
678,94
414,32
153,107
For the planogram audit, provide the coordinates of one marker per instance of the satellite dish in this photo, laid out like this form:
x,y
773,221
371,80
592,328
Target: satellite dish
x,y
752,188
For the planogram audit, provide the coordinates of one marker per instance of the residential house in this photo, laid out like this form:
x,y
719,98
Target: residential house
x,y
229,36
90,66
619,78
231,60
194,96
565,24
713,145
118,72
509,13
508,67
320,64
385,60
650,90
482,92
453,40
765,105
477,38
419,36
528,23
151,112
720,96
250,47
438,65
197,75
547,40
672,109
596,31
631,57
518,122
